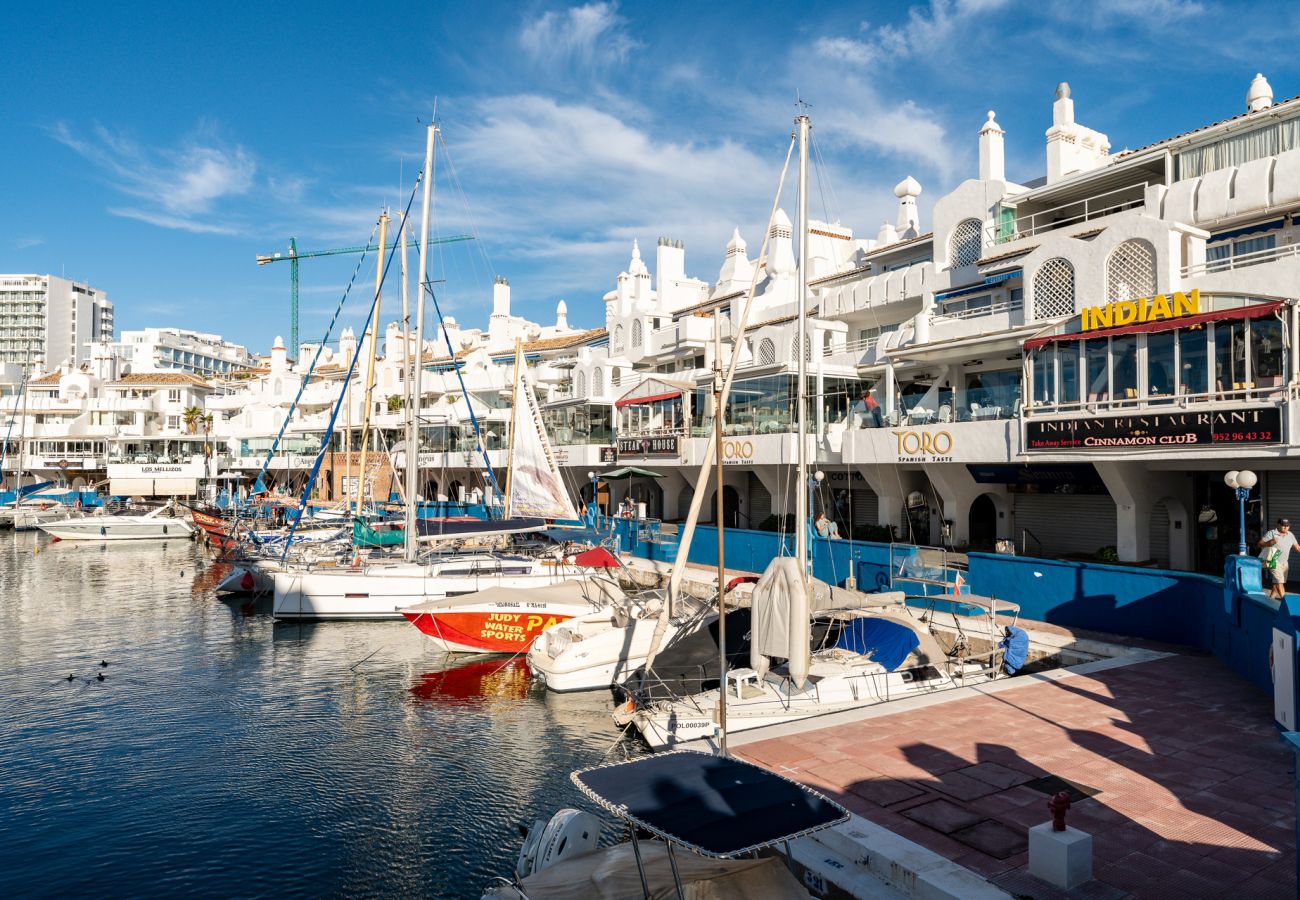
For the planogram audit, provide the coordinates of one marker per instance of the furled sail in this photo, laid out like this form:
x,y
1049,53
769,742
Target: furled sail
x,y
536,488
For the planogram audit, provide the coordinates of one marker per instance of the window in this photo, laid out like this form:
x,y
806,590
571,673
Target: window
x,y
1123,373
1054,289
582,385
871,336
964,245
1192,360
1097,362
1131,271
174,395
636,334
618,338
1160,365
173,422
615,377
766,352
807,347
965,307
1246,251
597,382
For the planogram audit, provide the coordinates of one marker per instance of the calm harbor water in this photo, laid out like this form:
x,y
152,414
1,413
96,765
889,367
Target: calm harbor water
x,y
227,755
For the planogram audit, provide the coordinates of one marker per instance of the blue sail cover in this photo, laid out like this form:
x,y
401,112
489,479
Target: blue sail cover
x,y
887,642
1015,648
716,805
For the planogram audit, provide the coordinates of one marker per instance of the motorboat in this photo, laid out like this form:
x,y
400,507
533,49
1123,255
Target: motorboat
x,y
385,589
27,515
159,525
842,649
698,826
508,619
603,648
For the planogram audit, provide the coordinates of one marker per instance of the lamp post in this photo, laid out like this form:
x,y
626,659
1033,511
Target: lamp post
x,y
591,507
1241,482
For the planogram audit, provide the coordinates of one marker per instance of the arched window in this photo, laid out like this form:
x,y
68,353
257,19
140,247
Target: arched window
x,y
636,334
1054,289
964,245
618,338
582,385
807,348
766,352
597,383
1131,271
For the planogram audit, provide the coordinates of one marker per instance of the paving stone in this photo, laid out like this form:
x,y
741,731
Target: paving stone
x,y
997,775
885,791
962,787
994,838
942,816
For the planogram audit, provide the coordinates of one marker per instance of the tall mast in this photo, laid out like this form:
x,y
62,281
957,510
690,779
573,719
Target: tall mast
x,y
510,434
368,395
413,414
719,511
801,429
22,425
406,353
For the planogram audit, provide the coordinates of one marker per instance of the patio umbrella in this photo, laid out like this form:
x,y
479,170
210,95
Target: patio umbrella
x,y
627,473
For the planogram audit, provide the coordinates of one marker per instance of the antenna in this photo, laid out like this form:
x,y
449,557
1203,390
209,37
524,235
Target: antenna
x,y
801,104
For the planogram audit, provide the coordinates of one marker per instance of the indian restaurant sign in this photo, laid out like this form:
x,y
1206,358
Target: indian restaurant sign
x,y
1145,309
1156,430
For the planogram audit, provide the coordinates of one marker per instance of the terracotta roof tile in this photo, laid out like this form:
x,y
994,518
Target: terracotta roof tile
x,y
1010,254
52,378
149,378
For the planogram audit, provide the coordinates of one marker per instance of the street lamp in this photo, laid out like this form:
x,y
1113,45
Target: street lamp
x,y
1241,482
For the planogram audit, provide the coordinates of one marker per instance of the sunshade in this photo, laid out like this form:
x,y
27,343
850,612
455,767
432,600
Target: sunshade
x,y
628,472
715,805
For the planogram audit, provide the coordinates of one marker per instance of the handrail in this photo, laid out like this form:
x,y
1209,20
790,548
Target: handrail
x,y
1253,393
1240,260
1025,534
1089,213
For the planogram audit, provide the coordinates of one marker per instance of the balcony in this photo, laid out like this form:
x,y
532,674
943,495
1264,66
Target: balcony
x,y
685,337
1241,261
1075,212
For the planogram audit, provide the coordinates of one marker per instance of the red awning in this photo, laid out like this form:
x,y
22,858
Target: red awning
x,y
633,401
1253,311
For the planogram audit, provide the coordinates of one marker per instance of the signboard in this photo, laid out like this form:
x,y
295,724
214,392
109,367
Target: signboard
x,y
737,453
1155,430
664,445
608,455
1145,309
156,470
924,446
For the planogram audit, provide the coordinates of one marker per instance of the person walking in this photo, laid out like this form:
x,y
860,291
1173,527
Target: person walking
x,y
1277,555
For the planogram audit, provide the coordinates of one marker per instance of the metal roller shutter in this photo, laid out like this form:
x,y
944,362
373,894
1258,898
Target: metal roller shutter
x,y
1158,535
1064,523
1281,497
866,506
760,501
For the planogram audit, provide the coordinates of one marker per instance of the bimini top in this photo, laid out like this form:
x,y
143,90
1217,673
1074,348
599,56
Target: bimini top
x,y
715,805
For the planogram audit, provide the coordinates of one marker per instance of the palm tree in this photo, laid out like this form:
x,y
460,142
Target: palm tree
x,y
192,415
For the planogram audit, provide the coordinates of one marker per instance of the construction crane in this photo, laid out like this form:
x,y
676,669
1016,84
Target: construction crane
x,y
293,256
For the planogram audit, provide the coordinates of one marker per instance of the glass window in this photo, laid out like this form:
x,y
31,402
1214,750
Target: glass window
x,y
1266,352
1097,356
1160,366
1044,371
1123,354
1192,362
1230,356
1067,366
993,395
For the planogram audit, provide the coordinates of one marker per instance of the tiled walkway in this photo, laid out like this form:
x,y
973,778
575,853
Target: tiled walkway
x,y
1195,791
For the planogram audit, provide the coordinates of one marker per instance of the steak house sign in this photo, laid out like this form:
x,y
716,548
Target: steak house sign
x,y
1176,429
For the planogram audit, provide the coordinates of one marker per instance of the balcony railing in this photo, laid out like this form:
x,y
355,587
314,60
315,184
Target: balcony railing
x,y
955,309
1238,393
1067,214
1241,260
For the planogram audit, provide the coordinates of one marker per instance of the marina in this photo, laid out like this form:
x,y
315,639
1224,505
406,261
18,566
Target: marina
x,y
947,560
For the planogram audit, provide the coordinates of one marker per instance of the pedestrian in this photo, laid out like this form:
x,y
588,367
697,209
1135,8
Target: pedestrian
x,y
1276,557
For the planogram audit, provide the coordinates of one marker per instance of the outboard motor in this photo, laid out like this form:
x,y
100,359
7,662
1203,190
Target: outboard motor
x,y
570,833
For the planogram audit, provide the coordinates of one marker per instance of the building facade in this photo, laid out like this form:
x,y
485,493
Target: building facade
x,y
179,350
57,319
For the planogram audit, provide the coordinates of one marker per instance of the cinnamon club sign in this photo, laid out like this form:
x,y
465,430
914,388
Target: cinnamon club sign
x,y
1156,430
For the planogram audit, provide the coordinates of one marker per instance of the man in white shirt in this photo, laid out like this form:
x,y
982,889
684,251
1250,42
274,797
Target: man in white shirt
x,y
1282,540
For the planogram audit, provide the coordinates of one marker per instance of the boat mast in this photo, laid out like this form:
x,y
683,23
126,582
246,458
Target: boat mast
x,y
510,431
406,352
801,428
413,413
368,395
22,427
718,515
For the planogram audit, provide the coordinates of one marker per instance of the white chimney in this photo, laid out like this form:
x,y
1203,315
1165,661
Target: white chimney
x,y
501,297
1260,95
561,316
909,219
992,155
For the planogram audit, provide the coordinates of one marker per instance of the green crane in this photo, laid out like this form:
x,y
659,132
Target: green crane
x,y
293,256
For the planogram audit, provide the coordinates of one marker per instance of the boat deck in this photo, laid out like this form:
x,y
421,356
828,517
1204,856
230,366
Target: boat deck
x,y
1194,787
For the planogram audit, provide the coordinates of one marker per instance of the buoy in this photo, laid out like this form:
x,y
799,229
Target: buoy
x,y
247,582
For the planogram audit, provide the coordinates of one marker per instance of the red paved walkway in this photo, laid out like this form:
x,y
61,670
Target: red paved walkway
x,y
1196,799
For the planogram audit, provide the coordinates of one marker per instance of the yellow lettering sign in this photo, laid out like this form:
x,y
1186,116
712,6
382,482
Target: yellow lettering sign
x,y
923,443
1144,309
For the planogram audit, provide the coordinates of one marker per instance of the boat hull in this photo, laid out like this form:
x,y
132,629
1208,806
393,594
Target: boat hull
x,y
490,628
118,528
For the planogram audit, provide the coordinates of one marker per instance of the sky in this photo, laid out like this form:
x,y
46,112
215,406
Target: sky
x,y
154,151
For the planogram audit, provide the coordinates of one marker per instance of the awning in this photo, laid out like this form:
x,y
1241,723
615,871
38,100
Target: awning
x,y
983,285
1003,276
1254,311
628,472
630,401
717,806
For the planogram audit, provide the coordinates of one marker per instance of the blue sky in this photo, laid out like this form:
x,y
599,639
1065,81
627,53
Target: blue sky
x,y
154,152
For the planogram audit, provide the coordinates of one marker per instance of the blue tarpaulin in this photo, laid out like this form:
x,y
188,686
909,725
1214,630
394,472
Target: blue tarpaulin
x,y
1015,647
888,642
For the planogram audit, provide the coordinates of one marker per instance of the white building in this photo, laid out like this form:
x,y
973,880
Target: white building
x,y
179,350
55,317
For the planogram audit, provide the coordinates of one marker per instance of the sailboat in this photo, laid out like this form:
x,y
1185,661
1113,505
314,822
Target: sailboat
x,y
869,648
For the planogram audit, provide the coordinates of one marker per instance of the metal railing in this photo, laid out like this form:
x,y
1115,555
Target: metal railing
x,y
1241,260
1001,306
1252,391
1067,214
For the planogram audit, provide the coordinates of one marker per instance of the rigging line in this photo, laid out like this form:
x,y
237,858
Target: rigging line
x,y
306,378
460,189
4,451
821,167
329,429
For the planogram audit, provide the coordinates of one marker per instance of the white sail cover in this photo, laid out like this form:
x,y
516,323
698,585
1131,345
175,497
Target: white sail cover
x,y
536,488
780,626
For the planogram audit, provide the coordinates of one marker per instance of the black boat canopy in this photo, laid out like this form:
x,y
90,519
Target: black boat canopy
x,y
715,805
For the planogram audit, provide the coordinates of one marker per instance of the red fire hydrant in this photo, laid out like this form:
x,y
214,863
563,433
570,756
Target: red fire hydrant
x,y
1057,807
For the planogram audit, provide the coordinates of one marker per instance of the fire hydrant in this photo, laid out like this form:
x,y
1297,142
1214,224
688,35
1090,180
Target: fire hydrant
x,y
1057,806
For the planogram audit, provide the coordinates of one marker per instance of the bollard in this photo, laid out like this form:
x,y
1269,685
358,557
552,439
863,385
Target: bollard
x,y
1059,854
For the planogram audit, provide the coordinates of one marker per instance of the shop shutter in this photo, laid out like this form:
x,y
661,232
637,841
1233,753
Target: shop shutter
x,y
866,506
1064,523
1158,536
760,502
1281,497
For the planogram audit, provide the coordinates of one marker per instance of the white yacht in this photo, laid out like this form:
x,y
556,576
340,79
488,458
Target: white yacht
x,y
27,515
160,524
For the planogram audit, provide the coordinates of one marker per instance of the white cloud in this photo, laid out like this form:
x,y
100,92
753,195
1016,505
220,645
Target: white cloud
x,y
28,242
585,36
